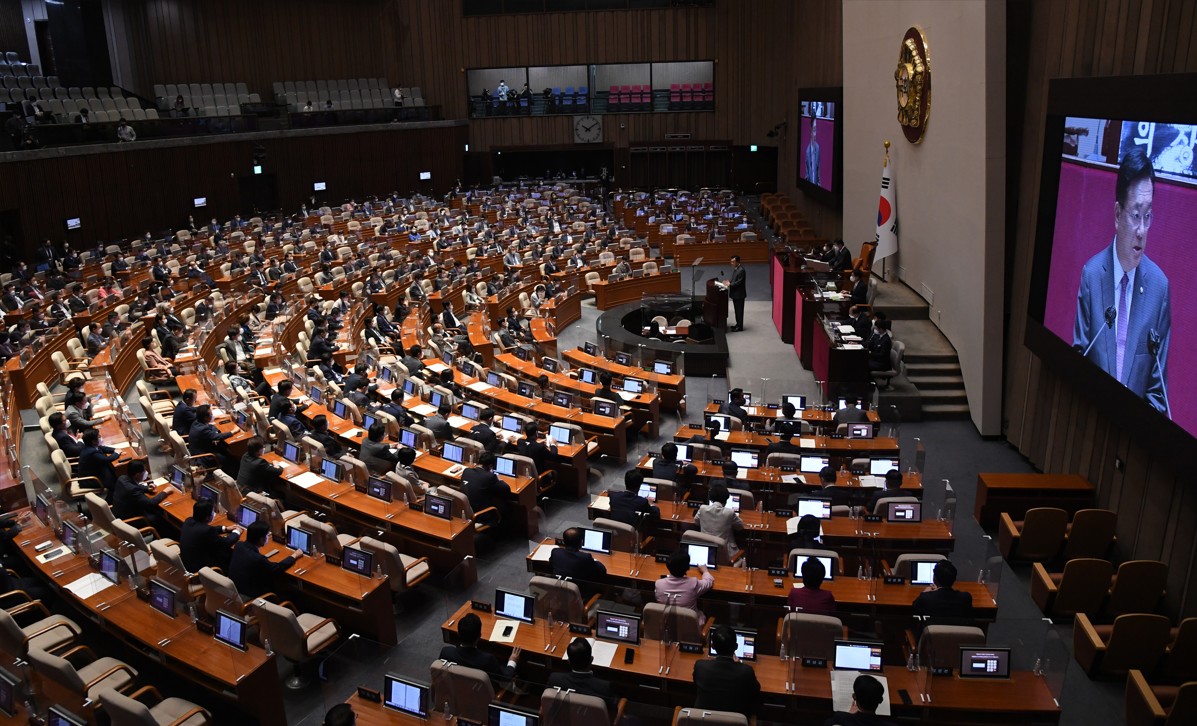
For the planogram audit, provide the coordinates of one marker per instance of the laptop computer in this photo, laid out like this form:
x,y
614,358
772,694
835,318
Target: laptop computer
x,y
814,506
860,431
162,597
596,540
508,716
358,560
438,506
828,566
745,459
702,554
299,539
247,515
514,605
856,655
812,464
922,572
882,465
230,630
400,694
904,512
745,644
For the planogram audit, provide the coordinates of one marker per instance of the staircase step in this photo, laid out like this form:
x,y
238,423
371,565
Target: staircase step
x,y
935,382
941,396
944,412
913,358
933,369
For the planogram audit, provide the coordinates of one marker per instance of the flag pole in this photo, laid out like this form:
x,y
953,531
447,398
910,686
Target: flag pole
x,y
884,263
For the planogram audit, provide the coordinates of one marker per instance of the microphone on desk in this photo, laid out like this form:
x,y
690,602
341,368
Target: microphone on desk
x,y
1111,316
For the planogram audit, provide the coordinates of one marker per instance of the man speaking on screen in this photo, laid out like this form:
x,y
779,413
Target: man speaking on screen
x,y
1123,311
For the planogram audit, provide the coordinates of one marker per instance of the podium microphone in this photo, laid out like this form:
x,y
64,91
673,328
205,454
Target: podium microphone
x,y
1154,344
1111,316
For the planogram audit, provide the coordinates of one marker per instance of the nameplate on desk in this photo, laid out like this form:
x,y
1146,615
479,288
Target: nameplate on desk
x,y
695,426
278,538
480,606
653,455
718,401
778,572
836,436
894,580
142,594
580,629
663,559
693,504
690,648
873,518
717,462
814,662
369,694
419,507
203,627
333,560
941,671
787,513
772,407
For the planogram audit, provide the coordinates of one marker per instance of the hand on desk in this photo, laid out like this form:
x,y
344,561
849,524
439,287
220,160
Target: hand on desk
x,y
297,554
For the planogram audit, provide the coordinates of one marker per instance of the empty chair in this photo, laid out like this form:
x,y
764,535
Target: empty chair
x,y
403,571
129,711
298,637
939,645
561,599
1090,534
1037,537
704,717
1148,705
674,624
575,709
901,566
468,691
1081,588
1136,641
1180,662
51,633
87,681
809,636
1138,587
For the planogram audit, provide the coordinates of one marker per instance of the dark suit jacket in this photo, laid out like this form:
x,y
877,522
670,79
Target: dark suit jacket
x,y
485,489
206,439
377,457
439,426
586,684
202,545
944,603
586,572
725,685
850,414
538,452
332,446
183,417
252,572
625,506
1150,314
738,289
129,498
733,409
860,293
666,470
841,260
879,348
71,447
484,435
97,461
256,473
474,658
781,447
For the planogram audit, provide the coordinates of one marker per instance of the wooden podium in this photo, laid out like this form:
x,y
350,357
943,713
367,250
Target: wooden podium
x,y
714,306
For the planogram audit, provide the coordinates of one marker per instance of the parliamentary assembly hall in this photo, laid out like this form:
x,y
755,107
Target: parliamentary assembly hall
x,y
598,362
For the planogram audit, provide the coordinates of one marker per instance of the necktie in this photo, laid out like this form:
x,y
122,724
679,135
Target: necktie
x,y
1121,322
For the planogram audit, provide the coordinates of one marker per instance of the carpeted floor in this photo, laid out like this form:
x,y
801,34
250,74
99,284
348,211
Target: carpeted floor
x,y
766,367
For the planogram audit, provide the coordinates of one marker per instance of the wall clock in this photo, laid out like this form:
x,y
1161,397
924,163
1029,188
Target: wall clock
x,y
588,129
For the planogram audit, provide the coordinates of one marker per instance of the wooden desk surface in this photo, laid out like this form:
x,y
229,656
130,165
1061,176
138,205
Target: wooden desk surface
x,y
912,482
1023,695
249,678
609,294
812,415
1034,482
883,446
756,586
933,534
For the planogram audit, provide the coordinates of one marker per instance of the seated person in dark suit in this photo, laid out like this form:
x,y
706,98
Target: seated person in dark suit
x,y
569,561
581,678
851,413
412,361
535,449
184,414
395,408
438,423
466,653
940,600
783,445
484,488
483,433
375,453
860,287
665,465
879,346
811,598
734,405
724,684
288,418
256,473
867,695
320,433
631,508
893,488
201,544
96,460
249,569
205,438
285,391
131,497
605,391
839,496
861,321
66,441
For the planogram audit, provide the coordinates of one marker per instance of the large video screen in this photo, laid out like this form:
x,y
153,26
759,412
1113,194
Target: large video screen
x,y
1121,287
816,144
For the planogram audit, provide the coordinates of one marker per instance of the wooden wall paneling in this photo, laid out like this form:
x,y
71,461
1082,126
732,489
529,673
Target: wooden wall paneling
x,y
12,29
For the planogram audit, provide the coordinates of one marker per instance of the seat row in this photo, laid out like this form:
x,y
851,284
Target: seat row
x,y
30,82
